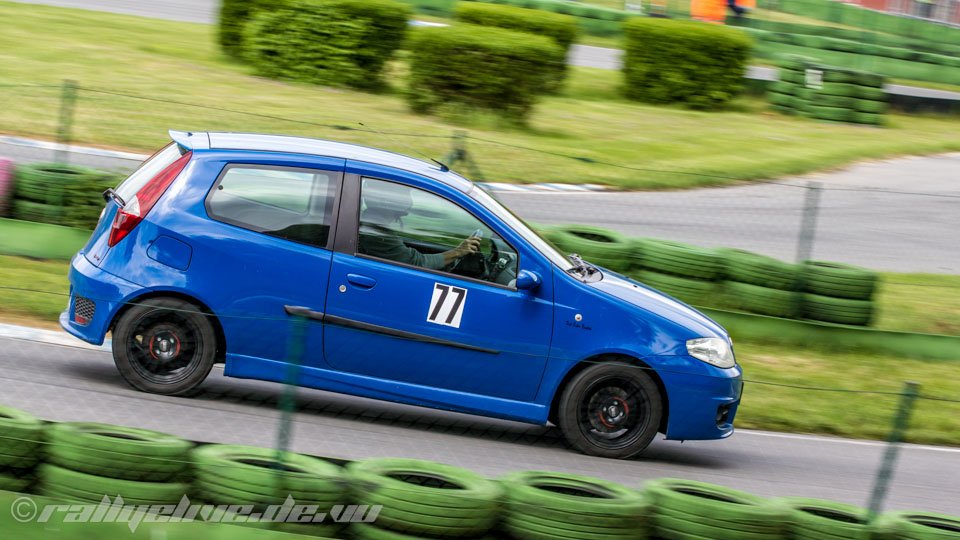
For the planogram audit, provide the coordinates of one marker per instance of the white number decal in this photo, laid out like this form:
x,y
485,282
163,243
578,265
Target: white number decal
x,y
446,306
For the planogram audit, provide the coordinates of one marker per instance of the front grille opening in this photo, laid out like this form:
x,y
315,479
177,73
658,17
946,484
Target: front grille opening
x,y
723,415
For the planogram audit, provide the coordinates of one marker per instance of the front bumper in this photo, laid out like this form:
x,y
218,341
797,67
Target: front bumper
x,y
703,403
106,291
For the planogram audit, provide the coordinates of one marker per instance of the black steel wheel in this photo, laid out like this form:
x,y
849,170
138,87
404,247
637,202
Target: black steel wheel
x,y
164,346
611,409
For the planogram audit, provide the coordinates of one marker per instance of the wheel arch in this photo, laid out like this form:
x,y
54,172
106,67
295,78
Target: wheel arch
x,y
217,326
612,357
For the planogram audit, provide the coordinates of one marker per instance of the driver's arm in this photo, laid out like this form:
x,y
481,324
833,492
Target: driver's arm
x,y
468,246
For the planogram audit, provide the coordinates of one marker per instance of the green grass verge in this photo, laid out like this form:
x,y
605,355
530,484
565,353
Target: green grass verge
x,y
764,406
179,62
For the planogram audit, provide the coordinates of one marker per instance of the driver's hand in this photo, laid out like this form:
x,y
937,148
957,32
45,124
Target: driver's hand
x,y
468,246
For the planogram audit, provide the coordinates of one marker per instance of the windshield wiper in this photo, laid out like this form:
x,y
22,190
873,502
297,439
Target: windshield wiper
x,y
111,195
580,266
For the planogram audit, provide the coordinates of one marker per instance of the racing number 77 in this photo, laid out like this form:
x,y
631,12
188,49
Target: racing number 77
x,y
446,305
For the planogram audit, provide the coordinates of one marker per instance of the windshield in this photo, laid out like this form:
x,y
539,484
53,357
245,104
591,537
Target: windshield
x,y
518,225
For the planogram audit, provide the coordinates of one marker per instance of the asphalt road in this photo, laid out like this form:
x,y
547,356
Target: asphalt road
x,y
68,384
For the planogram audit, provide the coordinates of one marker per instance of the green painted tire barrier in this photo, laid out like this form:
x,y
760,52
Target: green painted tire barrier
x,y
117,452
682,259
21,437
425,498
604,247
686,289
837,310
813,519
917,526
684,509
60,194
756,269
833,114
762,300
839,280
69,484
545,505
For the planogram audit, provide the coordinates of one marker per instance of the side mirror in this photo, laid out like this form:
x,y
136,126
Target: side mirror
x,y
528,280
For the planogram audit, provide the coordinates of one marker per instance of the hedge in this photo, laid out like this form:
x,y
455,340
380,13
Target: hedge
x,y
561,28
234,15
487,68
696,64
333,42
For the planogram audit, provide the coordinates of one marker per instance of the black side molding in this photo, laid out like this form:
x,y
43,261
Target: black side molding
x,y
308,313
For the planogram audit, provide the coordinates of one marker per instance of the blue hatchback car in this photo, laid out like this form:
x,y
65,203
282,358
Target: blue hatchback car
x,y
419,288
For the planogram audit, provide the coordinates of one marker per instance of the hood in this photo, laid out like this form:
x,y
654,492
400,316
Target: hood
x,y
659,304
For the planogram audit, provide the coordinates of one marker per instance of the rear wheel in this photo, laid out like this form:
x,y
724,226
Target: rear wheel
x,y
164,346
611,410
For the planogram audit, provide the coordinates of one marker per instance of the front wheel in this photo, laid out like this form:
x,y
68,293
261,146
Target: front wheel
x,y
611,409
164,346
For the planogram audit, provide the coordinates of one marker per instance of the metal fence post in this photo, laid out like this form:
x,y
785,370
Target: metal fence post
x,y
808,222
288,400
900,423
68,100
459,153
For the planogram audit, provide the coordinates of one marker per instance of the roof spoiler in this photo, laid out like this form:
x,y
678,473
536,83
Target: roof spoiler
x,y
191,140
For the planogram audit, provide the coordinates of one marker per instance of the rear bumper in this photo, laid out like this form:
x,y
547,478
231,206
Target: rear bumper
x,y
703,406
105,290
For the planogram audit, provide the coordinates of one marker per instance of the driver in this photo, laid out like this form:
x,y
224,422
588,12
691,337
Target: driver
x,y
385,204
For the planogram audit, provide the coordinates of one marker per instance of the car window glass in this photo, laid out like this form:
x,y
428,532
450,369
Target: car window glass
x,y
294,204
412,226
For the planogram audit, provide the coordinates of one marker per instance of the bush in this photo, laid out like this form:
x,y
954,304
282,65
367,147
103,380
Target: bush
x,y
696,64
561,28
482,67
333,42
234,15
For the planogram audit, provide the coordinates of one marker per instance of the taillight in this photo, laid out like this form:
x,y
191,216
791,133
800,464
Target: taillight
x,y
137,208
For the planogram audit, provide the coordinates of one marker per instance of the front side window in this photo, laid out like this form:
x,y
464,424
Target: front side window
x,y
288,203
411,226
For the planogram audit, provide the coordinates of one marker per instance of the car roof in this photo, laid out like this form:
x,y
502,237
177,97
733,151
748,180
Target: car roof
x,y
318,147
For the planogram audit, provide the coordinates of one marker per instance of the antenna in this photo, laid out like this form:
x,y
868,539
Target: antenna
x,y
443,166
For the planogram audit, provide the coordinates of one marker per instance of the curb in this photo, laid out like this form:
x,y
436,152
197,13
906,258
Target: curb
x,y
50,337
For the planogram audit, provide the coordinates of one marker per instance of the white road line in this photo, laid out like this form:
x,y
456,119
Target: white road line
x,y
821,438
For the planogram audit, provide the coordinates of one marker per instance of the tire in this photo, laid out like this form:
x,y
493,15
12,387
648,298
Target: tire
x,y
17,482
756,269
871,80
840,280
572,506
694,291
682,259
762,300
37,212
826,100
165,323
869,119
827,519
94,488
226,474
597,420
837,310
840,89
427,498
117,452
833,76
604,247
875,94
870,106
718,503
832,114
21,437
921,526
784,100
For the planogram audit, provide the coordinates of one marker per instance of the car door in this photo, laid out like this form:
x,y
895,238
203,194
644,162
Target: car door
x,y
266,247
393,314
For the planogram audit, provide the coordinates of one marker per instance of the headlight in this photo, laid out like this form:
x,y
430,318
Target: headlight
x,y
715,351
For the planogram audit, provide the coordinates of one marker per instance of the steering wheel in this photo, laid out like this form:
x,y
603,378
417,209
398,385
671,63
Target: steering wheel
x,y
477,265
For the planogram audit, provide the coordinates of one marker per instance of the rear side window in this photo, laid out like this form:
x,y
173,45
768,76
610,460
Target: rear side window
x,y
289,203
129,188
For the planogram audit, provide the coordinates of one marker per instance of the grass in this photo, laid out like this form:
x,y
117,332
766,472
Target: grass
x,y
765,406
118,60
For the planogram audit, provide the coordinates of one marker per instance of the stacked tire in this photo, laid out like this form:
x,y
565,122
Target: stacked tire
x,y
423,499
688,510
786,95
761,284
838,293
259,477
60,194
686,272
21,448
812,519
841,95
917,526
597,245
86,462
548,506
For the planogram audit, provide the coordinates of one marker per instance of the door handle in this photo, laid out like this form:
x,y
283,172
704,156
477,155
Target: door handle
x,y
363,282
